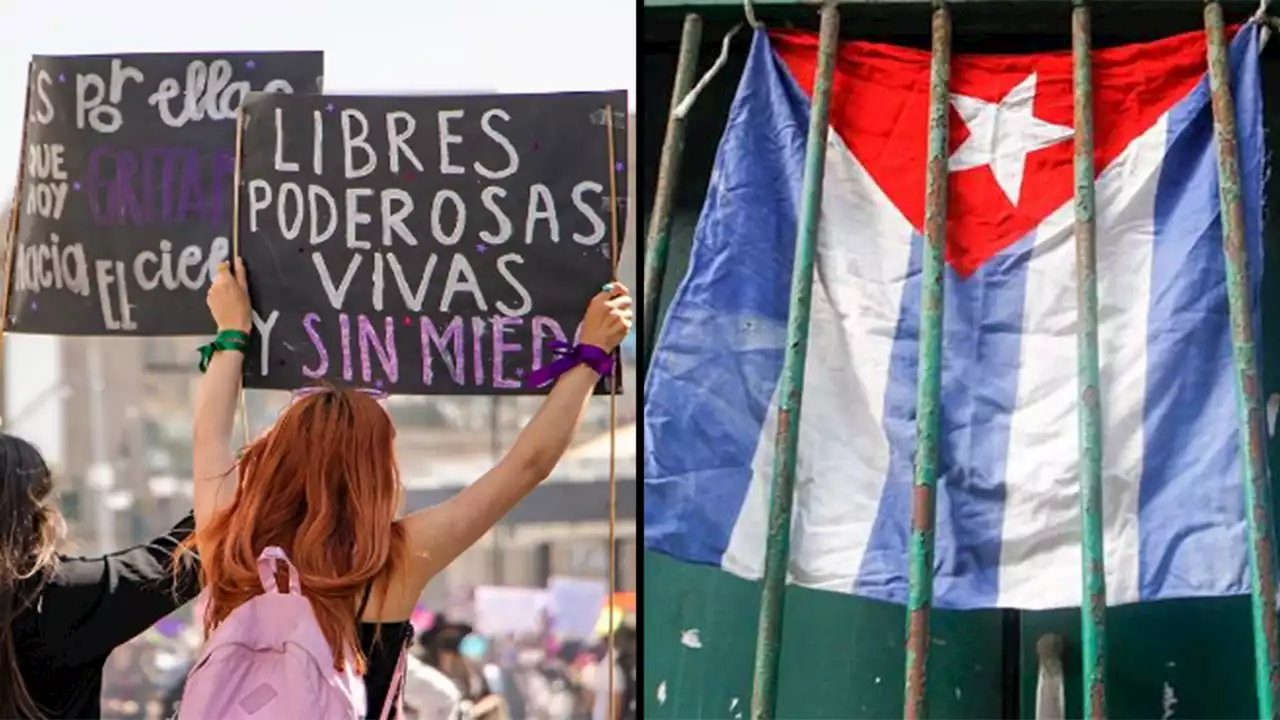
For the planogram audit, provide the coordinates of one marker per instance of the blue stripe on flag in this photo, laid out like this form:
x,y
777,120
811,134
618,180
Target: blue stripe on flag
x,y
982,347
717,363
883,574
1191,501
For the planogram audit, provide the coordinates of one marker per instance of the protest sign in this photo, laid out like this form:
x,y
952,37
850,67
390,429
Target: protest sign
x,y
127,182
504,610
424,245
575,605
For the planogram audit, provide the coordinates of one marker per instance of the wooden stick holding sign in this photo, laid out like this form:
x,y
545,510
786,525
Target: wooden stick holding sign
x,y
11,237
235,242
613,415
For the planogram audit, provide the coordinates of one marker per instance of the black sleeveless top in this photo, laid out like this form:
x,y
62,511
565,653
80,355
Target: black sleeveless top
x,y
382,645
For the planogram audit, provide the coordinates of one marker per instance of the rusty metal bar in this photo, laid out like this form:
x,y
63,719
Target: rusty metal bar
x,y
764,689
929,389
658,235
1248,385
1093,605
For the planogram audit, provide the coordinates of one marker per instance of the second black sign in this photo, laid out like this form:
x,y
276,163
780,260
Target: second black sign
x,y
127,184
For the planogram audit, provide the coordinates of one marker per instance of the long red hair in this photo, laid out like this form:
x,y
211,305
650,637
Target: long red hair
x,y
323,485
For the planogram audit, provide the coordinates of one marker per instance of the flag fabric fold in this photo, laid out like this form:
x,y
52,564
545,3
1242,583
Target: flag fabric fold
x,y
1008,523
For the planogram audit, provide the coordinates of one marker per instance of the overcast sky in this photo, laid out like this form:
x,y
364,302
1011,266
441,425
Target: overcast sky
x,y
370,46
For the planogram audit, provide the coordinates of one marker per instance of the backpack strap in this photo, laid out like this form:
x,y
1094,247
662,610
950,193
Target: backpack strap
x,y
269,563
395,691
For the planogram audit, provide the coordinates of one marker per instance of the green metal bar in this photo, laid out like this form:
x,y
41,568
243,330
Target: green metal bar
x,y
1093,606
658,236
1248,387
764,691
929,391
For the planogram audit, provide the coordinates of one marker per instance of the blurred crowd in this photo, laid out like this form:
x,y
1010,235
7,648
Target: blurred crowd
x,y
454,673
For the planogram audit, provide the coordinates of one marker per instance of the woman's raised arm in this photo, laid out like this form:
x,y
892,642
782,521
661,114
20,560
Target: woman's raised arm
x,y
439,534
213,465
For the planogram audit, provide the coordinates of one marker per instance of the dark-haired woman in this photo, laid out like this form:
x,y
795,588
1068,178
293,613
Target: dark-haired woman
x,y
61,617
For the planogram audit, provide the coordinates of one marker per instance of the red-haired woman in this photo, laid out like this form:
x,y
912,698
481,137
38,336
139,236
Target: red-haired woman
x,y
322,484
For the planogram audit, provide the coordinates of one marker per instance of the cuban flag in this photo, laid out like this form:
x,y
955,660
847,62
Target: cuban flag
x,y
1008,519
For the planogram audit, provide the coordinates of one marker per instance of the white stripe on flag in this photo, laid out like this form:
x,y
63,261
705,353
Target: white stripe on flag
x,y
1040,563
864,247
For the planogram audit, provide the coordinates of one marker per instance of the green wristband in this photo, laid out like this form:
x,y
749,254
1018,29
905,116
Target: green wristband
x,y
225,340
234,337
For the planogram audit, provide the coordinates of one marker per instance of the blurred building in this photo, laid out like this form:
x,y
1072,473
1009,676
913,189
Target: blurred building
x,y
136,433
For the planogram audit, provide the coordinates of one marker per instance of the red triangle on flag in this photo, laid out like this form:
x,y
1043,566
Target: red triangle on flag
x,y
1011,120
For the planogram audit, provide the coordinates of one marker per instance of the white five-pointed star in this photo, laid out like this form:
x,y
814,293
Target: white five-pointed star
x,y
1002,134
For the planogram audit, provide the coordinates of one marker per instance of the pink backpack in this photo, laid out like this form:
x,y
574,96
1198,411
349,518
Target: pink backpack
x,y
269,661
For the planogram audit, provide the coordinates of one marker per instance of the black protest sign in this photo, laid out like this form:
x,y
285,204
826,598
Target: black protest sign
x,y
126,193
425,245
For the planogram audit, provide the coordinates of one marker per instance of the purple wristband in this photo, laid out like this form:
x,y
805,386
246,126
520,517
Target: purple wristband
x,y
567,358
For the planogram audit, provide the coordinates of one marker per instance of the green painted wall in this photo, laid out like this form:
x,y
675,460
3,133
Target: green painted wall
x,y
843,657
1193,658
